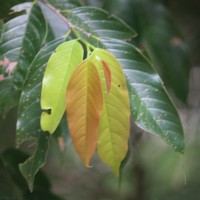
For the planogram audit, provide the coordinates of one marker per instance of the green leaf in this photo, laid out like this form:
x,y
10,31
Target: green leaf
x,y
65,4
166,46
1,27
94,23
29,111
22,38
8,99
59,28
151,108
13,184
59,68
7,188
32,165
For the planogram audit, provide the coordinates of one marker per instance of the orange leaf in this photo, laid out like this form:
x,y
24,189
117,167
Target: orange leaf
x,y
84,107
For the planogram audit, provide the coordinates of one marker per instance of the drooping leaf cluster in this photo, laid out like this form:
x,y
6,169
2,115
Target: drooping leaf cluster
x,y
96,86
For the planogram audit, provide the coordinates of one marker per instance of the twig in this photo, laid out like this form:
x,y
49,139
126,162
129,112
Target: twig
x,y
57,12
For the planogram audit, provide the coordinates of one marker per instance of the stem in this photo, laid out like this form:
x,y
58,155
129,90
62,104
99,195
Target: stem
x,y
65,20
57,11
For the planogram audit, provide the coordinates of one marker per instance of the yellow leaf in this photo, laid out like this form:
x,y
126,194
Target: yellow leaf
x,y
84,102
114,126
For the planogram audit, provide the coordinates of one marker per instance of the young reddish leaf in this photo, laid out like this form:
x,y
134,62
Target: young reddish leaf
x,y
84,102
107,74
114,125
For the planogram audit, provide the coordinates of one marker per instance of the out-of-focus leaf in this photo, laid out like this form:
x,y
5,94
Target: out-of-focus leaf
x,y
13,185
8,129
94,23
28,122
84,102
151,108
32,165
6,6
59,68
7,188
11,159
1,28
123,9
114,125
165,45
62,134
7,101
187,17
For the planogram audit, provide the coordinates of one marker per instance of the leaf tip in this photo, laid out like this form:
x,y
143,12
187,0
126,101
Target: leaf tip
x,y
29,179
87,165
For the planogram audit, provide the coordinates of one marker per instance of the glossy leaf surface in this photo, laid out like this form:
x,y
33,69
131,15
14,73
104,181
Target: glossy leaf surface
x,y
21,39
95,23
29,111
84,107
151,108
58,71
115,121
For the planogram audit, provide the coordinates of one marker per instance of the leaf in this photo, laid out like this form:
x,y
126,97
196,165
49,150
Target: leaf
x,y
84,107
28,119
7,99
22,38
33,39
188,22
114,126
65,5
94,23
166,46
59,28
13,184
7,190
1,27
6,6
151,108
58,71
32,165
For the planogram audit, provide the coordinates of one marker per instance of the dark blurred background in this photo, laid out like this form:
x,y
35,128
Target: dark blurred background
x,y
169,32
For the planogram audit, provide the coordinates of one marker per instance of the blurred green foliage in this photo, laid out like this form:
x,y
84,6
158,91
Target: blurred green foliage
x,y
167,29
